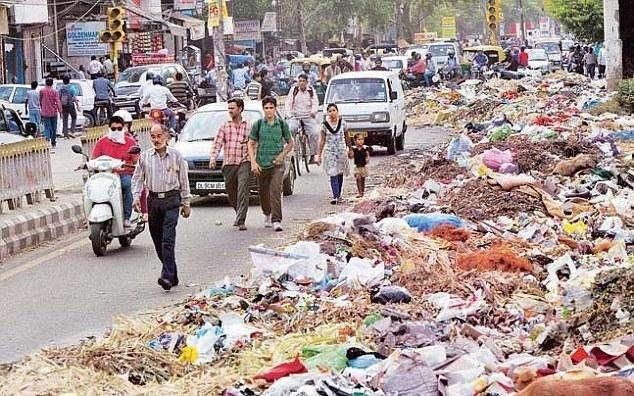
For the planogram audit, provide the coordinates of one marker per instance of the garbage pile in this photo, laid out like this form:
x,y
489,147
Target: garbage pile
x,y
501,262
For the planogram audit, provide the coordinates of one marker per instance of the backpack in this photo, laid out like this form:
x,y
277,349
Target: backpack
x,y
296,90
65,96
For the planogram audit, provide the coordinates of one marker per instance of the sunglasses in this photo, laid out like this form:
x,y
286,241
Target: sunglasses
x,y
116,129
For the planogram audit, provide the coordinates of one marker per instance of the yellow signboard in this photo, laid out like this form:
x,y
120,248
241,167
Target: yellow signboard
x,y
213,14
425,37
448,27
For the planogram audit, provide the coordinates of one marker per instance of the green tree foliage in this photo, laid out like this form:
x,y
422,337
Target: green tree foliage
x,y
583,18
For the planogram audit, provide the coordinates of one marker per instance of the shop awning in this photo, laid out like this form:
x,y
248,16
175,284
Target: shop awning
x,y
174,29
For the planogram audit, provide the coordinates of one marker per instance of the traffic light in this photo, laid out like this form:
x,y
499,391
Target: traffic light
x,y
493,19
115,25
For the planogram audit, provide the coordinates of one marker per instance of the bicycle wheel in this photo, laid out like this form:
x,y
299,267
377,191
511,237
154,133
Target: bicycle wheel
x,y
305,152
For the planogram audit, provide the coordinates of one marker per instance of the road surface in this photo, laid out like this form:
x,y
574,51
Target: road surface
x,y
61,293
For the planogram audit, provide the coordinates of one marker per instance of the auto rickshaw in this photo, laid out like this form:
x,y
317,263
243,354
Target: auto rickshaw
x,y
318,64
496,54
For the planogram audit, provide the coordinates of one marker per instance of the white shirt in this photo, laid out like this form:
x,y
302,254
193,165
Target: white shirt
x,y
157,96
108,67
94,67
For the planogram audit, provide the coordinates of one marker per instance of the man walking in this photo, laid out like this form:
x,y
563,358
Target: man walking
x,y
51,107
68,99
164,171
32,106
232,138
270,142
94,67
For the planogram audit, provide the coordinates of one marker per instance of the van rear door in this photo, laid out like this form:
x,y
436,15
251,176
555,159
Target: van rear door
x,y
395,105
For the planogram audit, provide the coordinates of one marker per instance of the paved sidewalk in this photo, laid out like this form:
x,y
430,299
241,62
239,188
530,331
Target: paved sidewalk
x,y
31,225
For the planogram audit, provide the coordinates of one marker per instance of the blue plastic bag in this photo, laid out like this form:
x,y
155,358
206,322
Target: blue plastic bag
x,y
429,221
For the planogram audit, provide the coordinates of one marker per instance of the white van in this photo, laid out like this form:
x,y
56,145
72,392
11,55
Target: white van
x,y
373,104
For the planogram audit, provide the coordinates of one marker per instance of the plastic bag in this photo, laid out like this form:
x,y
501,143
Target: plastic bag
x,y
578,228
282,370
362,271
494,158
392,294
332,357
508,182
458,147
392,225
501,133
427,222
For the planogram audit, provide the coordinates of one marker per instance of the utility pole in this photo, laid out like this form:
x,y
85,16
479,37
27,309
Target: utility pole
x,y
55,26
302,28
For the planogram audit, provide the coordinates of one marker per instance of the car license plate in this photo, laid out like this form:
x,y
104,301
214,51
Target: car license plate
x,y
353,133
210,185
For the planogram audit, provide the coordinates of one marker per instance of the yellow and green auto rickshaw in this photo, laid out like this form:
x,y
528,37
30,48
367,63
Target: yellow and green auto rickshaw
x,y
496,54
318,64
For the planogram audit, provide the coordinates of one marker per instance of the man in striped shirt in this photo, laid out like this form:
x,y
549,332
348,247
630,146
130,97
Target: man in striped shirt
x,y
164,171
180,90
233,138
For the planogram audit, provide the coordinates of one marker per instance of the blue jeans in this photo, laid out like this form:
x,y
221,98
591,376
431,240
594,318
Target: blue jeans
x,y
336,184
36,117
162,220
428,75
50,129
126,190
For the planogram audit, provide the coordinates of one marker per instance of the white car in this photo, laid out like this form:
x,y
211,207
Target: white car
x,y
552,50
440,52
373,104
538,60
195,140
15,96
397,63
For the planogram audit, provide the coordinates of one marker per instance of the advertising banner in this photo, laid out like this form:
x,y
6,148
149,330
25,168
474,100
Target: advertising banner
x,y
82,39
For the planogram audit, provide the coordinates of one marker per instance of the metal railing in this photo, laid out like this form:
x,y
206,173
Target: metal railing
x,y
141,129
25,171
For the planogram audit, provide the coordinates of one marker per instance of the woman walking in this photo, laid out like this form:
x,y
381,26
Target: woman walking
x,y
334,151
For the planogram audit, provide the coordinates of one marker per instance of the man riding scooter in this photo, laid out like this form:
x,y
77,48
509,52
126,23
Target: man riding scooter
x,y
158,97
117,144
480,62
302,105
452,68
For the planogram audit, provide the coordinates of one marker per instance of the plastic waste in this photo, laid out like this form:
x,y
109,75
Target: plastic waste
x,y
578,228
204,341
392,294
459,146
509,168
501,133
167,342
494,158
271,261
362,271
393,225
427,222
508,182
295,366
364,361
432,355
404,375
452,307
320,357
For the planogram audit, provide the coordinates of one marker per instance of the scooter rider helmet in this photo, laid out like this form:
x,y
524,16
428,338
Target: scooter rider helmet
x,y
157,80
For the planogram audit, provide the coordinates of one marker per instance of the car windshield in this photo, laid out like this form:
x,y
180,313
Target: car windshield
x,y
204,125
550,48
352,90
393,63
133,74
296,69
440,50
537,56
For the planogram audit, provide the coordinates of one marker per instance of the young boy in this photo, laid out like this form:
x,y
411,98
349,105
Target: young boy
x,y
361,155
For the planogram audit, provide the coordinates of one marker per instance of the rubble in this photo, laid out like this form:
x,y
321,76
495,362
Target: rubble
x,y
475,268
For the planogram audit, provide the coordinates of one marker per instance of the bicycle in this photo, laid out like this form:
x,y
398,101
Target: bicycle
x,y
301,147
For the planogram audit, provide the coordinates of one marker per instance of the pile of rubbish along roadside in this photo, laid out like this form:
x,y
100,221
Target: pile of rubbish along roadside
x,y
499,263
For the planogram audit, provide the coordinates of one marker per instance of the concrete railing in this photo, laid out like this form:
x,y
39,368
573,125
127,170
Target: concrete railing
x,y
25,171
141,129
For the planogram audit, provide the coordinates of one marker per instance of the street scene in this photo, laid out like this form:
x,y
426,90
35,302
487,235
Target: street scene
x,y
367,197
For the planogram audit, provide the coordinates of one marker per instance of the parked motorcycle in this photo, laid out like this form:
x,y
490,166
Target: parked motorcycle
x,y
160,117
103,203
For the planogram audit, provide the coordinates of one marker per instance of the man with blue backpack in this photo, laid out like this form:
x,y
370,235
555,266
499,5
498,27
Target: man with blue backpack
x,y
68,98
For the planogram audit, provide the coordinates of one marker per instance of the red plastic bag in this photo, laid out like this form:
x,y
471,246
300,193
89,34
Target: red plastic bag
x,y
283,370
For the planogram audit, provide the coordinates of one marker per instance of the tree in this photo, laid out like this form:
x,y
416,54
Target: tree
x,y
583,18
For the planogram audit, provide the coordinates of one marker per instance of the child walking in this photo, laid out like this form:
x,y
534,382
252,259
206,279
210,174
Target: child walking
x,y
361,155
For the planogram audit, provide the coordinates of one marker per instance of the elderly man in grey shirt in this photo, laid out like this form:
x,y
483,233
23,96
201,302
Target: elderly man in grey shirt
x,y
164,171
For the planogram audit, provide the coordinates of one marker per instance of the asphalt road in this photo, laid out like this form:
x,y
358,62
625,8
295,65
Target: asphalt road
x,y
61,293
